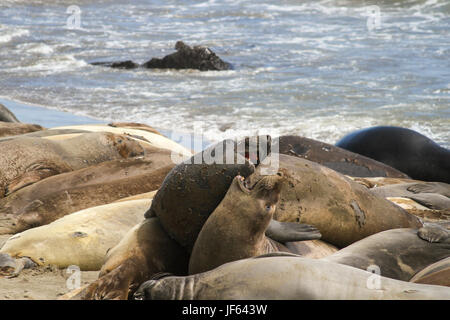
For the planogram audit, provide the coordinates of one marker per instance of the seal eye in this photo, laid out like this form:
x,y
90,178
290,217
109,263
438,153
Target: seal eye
x,y
269,207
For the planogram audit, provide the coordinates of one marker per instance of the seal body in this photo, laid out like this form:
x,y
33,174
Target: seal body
x,y
81,238
144,251
344,211
335,158
404,149
285,278
62,194
142,134
26,160
237,227
199,186
398,253
438,274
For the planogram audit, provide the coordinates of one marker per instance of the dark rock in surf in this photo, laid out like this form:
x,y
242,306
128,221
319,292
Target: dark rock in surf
x,y
198,57
128,64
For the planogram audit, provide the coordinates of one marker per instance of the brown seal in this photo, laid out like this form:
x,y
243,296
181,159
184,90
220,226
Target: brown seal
x,y
26,160
57,196
199,185
338,159
344,211
237,227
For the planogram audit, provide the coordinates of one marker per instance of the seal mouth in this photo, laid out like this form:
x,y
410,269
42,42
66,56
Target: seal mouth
x,y
268,187
243,184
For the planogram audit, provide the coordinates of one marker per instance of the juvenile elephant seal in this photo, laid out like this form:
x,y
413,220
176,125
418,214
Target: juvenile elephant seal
x,y
81,238
57,196
6,115
285,278
399,253
404,149
26,160
14,128
335,158
237,227
344,211
144,251
438,274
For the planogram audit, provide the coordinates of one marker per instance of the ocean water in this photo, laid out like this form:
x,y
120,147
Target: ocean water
x,y
320,69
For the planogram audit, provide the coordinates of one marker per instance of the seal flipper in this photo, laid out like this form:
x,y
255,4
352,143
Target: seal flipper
x,y
431,187
434,233
290,231
10,267
432,200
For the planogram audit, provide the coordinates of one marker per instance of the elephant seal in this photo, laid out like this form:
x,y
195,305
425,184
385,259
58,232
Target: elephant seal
x,y
199,183
404,149
344,211
433,195
6,115
26,160
398,253
372,182
14,128
155,140
335,158
10,267
286,278
81,238
62,194
237,227
438,274
144,251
